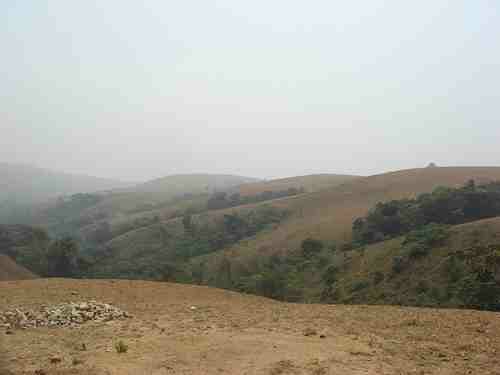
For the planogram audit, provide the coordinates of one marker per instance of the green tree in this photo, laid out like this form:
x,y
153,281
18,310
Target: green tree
x,y
311,247
62,258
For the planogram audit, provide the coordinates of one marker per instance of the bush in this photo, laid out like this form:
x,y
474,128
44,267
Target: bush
x,y
455,269
399,263
121,347
422,287
430,235
330,275
360,285
311,247
378,277
418,250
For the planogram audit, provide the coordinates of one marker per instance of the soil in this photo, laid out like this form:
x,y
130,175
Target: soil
x,y
183,329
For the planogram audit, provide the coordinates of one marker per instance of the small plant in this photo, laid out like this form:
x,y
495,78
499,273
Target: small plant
x,y
121,347
311,247
360,285
399,263
378,277
418,250
422,287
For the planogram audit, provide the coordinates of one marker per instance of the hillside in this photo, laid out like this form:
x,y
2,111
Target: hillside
x,y
449,271
26,246
310,183
9,270
181,329
328,215
163,197
431,279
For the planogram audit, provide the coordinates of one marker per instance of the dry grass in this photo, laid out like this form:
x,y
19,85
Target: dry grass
x,y
311,183
328,214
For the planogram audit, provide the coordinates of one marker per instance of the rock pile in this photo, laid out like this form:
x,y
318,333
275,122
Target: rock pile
x,y
72,315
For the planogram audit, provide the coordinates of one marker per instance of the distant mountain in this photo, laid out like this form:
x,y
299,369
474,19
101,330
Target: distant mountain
x,y
25,184
193,183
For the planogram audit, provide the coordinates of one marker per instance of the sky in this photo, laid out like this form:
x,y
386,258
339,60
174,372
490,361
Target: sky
x,y
135,90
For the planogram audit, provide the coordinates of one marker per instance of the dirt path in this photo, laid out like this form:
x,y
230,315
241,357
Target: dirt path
x,y
180,329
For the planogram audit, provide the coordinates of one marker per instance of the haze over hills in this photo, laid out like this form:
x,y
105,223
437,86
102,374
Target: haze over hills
x,y
26,184
232,240
193,183
298,247
328,216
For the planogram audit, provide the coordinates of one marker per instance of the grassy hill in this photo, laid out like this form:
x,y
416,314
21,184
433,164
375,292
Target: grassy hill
x,y
309,183
328,215
437,278
241,247
127,209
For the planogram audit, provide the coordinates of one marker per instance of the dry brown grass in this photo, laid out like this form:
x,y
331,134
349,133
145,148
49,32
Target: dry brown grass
x,y
310,183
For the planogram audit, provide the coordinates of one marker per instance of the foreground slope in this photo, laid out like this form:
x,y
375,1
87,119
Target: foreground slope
x,y
9,270
180,329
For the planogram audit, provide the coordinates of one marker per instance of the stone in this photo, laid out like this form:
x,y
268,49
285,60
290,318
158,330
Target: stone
x,y
310,332
55,359
70,315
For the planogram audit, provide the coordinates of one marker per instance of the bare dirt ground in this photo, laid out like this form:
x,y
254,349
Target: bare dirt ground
x,y
181,329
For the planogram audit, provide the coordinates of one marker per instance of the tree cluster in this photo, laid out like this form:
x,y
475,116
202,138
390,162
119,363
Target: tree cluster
x,y
443,206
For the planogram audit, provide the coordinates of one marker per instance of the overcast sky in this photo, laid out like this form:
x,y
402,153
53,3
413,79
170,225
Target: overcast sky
x,y
266,88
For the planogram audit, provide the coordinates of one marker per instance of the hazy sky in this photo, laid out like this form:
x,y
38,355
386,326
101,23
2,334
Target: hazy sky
x,y
140,89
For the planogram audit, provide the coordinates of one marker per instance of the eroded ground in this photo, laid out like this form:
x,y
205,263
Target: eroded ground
x,y
180,329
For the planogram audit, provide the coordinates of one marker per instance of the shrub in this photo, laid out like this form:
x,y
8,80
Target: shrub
x,y
330,275
455,269
347,247
311,247
121,347
360,285
422,287
378,277
430,235
323,261
399,263
418,250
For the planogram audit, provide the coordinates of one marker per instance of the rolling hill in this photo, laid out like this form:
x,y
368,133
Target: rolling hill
x,y
328,215
193,184
25,184
310,183
122,209
431,279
